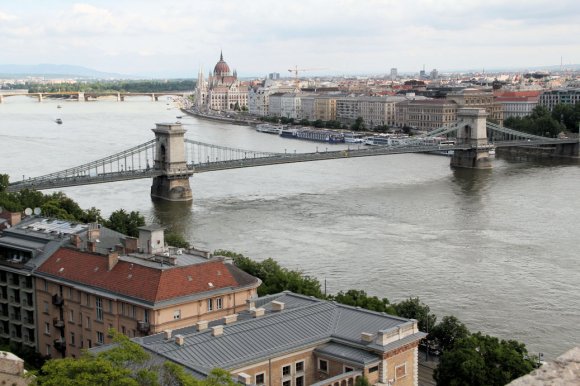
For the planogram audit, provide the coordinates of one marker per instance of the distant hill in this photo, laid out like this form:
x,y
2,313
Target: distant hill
x,y
57,71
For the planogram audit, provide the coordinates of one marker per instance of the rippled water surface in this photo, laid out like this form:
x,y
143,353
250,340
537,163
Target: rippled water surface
x,y
496,248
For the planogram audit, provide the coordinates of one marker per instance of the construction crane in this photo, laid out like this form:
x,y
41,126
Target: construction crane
x,y
296,70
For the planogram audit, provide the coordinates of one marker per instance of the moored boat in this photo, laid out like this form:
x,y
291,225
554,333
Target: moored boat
x,y
58,120
270,129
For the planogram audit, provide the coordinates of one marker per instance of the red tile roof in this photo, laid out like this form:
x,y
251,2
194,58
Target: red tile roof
x,y
138,281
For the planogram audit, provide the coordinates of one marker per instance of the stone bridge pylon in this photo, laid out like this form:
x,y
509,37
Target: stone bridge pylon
x,y
472,131
170,158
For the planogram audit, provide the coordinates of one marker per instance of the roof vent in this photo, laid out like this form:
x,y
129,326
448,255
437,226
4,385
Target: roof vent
x,y
229,319
179,339
217,330
367,337
244,379
277,306
201,325
257,312
167,334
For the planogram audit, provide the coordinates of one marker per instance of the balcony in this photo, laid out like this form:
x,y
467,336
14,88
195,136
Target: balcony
x,y
58,323
60,345
29,321
143,326
15,318
15,300
29,340
26,303
57,300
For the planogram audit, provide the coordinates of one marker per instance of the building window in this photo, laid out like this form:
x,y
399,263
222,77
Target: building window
x,y
286,371
323,365
47,328
218,303
299,367
88,300
100,337
45,287
69,293
46,307
260,379
401,371
110,306
88,325
287,383
133,312
348,369
48,349
176,314
99,307
71,316
374,369
210,304
72,338
146,316
299,381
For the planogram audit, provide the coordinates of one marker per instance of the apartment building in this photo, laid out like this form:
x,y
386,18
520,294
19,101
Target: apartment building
x,y
375,111
25,245
293,340
471,97
567,96
142,287
427,114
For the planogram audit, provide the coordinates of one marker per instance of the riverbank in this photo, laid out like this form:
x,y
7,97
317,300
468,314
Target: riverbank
x,y
227,119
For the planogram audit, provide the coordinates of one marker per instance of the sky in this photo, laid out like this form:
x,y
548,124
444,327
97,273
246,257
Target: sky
x,y
175,38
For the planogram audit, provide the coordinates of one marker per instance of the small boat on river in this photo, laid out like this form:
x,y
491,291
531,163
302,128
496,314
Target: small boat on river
x,y
59,121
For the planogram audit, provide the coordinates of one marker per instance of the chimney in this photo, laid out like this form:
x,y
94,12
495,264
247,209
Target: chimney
x,y
130,244
76,241
229,319
113,260
94,231
91,246
251,304
15,218
257,312
167,334
277,306
179,339
366,337
217,330
201,325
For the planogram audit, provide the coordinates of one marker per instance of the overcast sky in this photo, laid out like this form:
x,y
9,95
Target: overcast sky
x,y
174,38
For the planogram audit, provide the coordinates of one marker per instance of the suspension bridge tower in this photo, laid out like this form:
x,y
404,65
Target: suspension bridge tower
x,y
472,131
170,160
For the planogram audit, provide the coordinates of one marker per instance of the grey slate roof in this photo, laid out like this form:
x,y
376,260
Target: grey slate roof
x,y
348,354
304,322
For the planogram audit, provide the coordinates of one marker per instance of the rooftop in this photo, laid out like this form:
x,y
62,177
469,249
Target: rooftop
x,y
303,322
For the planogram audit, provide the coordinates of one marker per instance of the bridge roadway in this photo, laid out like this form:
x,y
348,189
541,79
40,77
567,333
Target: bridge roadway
x,y
281,158
53,182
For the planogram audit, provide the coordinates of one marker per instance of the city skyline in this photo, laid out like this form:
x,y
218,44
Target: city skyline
x,y
340,37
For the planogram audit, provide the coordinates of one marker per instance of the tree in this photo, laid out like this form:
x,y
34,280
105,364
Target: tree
x,y
126,223
176,240
413,308
358,124
362,381
480,360
447,332
4,181
359,298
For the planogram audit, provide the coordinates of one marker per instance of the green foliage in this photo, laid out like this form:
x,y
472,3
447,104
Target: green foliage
x,y
362,381
359,298
175,375
116,86
483,360
274,278
447,332
567,115
219,377
176,240
539,122
4,181
413,308
126,223
358,124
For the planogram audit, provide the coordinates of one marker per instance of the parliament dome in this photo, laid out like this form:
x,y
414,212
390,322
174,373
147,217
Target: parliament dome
x,y
221,68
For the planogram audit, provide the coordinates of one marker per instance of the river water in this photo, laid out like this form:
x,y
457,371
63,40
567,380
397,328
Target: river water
x,y
496,248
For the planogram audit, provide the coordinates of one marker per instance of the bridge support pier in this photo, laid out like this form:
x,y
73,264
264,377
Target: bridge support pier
x,y
81,96
40,97
173,183
474,133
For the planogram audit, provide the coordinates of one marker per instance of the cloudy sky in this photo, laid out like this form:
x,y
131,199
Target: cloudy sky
x,y
174,38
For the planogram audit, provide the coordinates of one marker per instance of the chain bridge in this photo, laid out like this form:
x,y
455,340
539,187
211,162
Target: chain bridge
x,y
171,159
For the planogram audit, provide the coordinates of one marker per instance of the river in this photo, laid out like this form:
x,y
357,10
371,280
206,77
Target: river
x,y
496,248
